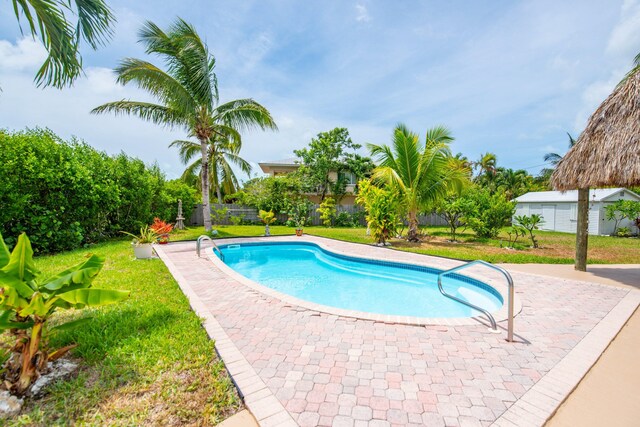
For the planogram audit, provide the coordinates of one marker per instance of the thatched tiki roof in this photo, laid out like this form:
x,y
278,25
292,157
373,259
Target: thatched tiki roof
x,y
607,153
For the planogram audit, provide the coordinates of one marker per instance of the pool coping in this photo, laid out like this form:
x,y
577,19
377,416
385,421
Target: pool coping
x,y
421,260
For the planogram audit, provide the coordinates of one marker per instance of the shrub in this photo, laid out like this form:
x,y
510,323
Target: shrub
x,y
343,219
485,213
452,210
382,206
67,194
623,232
530,223
327,211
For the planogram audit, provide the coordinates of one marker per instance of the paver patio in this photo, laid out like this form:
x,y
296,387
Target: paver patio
x,y
298,366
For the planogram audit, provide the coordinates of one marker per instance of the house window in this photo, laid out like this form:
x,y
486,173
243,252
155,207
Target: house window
x,y
573,215
349,178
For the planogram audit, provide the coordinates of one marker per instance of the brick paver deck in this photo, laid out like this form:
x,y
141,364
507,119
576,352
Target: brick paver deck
x,y
299,366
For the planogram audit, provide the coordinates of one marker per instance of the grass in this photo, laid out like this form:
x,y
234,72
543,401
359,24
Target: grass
x,y
146,361
555,247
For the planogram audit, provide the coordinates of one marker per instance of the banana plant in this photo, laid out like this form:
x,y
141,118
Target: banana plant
x,y
27,301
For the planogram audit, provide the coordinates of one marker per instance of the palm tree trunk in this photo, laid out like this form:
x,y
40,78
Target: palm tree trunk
x,y
582,232
219,193
204,179
412,235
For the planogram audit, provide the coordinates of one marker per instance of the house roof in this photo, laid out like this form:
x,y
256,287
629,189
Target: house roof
x,y
595,195
291,161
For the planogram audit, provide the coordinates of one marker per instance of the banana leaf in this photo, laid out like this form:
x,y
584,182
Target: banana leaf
x,y
80,274
7,321
21,263
93,297
4,253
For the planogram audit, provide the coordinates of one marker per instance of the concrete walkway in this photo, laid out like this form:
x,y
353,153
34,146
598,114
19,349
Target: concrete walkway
x,y
610,392
296,366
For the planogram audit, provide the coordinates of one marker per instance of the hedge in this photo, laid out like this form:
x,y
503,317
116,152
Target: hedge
x,y
66,194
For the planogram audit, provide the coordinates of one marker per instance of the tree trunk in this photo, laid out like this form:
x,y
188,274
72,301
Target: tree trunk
x,y
30,362
582,232
219,193
204,177
412,235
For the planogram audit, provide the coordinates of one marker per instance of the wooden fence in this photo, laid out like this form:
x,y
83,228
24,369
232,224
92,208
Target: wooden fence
x,y
249,214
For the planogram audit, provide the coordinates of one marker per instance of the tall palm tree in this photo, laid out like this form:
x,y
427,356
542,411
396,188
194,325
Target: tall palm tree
x,y
61,36
420,173
187,95
222,153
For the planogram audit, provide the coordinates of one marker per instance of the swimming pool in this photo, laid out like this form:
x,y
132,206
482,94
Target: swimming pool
x,y
306,271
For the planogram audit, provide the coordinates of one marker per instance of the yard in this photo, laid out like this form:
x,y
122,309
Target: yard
x,y
146,361
555,248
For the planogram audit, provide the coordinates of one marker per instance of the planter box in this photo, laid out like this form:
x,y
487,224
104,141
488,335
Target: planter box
x,y
144,251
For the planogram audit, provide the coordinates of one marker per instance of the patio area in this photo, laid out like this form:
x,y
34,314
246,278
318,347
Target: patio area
x,y
296,366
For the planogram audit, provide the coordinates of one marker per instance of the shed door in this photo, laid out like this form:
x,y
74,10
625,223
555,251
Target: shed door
x,y
549,217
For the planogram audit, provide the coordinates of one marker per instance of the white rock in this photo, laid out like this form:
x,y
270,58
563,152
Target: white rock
x,y
58,369
10,405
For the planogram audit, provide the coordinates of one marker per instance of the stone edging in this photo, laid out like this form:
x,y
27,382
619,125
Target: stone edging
x,y
542,400
258,398
425,260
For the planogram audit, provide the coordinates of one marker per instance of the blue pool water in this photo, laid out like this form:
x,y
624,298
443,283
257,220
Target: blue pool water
x,y
308,272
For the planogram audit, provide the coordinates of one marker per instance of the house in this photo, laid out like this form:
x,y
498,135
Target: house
x,y
285,166
559,210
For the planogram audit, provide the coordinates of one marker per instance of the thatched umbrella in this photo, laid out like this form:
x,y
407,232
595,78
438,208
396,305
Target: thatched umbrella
x,y
607,154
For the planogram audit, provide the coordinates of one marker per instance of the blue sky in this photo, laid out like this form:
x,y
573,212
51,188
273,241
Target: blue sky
x,y
507,77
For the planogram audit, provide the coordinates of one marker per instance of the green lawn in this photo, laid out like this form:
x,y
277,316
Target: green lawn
x,y
146,361
555,248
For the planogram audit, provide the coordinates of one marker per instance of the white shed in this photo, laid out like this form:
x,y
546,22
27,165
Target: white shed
x,y
559,210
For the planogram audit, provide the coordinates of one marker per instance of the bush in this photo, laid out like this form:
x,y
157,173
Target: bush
x,y
67,194
327,211
343,219
487,213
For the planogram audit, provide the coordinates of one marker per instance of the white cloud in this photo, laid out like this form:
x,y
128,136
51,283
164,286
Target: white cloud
x,y
25,54
362,14
625,37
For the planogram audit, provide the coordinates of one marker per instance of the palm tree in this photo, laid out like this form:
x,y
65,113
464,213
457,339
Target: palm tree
x,y
187,95
486,164
61,37
421,174
222,153
554,158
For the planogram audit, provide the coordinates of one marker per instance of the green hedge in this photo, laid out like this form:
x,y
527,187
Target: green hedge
x,y
67,194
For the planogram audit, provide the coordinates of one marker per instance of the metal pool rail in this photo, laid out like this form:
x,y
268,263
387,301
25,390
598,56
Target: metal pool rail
x,y
480,309
215,247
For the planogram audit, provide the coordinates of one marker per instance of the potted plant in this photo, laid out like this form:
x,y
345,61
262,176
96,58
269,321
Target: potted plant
x,y
162,229
268,218
143,242
299,214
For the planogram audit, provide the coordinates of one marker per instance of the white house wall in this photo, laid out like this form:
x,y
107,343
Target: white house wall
x,y
561,220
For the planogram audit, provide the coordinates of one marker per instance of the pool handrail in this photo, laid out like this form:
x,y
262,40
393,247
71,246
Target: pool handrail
x,y
480,309
215,247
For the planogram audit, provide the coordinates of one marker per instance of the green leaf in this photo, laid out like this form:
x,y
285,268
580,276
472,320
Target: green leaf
x,y
70,325
80,274
36,306
93,297
13,282
21,263
4,252
7,321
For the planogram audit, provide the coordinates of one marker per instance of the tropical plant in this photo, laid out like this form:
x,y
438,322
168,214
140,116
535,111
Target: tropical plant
x,y
420,174
623,232
554,158
271,193
28,299
620,210
486,164
187,96
146,236
452,209
515,232
382,208
327,210
530,223
49,19
223,154
161,227
298,212
487,213
267,217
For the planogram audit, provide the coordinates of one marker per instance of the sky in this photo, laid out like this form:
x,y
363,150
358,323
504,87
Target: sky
x,y
508,77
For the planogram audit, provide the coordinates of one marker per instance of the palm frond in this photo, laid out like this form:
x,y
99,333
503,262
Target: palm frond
x,y
244,114
154,113
187,150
